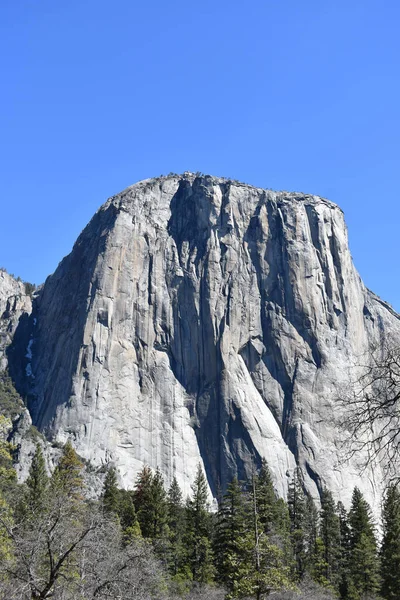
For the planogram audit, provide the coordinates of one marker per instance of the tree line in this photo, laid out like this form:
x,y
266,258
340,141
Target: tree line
x,y
151,542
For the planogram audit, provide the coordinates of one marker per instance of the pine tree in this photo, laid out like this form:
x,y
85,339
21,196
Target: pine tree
x,y
268,571
390,551
364,563
158,505
151,503
280,534
111,496
142,497
231,536
37,482
310,533
197,535
297,512
265,497
273,514
8,479
319,566
176,526
119,502
330,537
344,549
127,516
67,476
8,476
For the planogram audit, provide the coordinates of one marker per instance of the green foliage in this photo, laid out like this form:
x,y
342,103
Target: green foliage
x,y
270,568
111,496
142,500
37,482
150,500
319,568
159,506
127,516
29,288
11,403
390,551
231,536
176,532
119,503
256,546
198,531
68,475
345,544
265,498
252,543
363,557
298,521
330,538
6,522
8,475
310,532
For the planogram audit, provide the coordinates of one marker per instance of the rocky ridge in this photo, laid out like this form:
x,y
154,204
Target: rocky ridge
x,y
200,319
15,304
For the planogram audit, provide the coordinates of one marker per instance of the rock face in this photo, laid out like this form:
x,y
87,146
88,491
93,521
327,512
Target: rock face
x,y
15,306
199,319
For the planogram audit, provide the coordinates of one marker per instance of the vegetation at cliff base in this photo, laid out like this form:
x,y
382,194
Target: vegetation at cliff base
x,y
152,543
10,401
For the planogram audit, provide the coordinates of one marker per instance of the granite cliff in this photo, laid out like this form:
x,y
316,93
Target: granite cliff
x,y
200,319
15,305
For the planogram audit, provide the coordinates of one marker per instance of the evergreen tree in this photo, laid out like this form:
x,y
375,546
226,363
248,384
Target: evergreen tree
x,y
330,537
67,476
390,551
111,496
265,498
151,503
310,533
159,508
176,526
319,566
197,535
344,549
268,570
8,479
142,497
272,514
120,503
364,563
8,476
127,516
231,536
297,512
280,534
37,482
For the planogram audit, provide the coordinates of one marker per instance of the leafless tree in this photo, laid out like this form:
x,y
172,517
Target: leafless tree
x,y
307,590
71,550
204,592
371,403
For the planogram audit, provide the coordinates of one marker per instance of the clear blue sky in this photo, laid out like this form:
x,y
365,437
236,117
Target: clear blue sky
x,y
284,94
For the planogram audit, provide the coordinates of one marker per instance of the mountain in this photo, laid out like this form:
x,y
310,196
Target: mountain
x,y
198,319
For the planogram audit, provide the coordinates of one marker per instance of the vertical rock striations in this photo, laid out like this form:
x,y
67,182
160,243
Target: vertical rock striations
x,y
199,319
15,307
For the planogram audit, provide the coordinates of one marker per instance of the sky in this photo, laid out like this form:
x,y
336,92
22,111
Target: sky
x,y
96,95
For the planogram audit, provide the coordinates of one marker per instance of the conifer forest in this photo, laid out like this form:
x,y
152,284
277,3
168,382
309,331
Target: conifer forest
x,y
152,543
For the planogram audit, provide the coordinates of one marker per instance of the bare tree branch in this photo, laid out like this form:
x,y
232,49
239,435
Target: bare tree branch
x,y
371,410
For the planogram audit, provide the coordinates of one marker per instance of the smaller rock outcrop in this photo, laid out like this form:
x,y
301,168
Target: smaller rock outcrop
x,y
15,304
